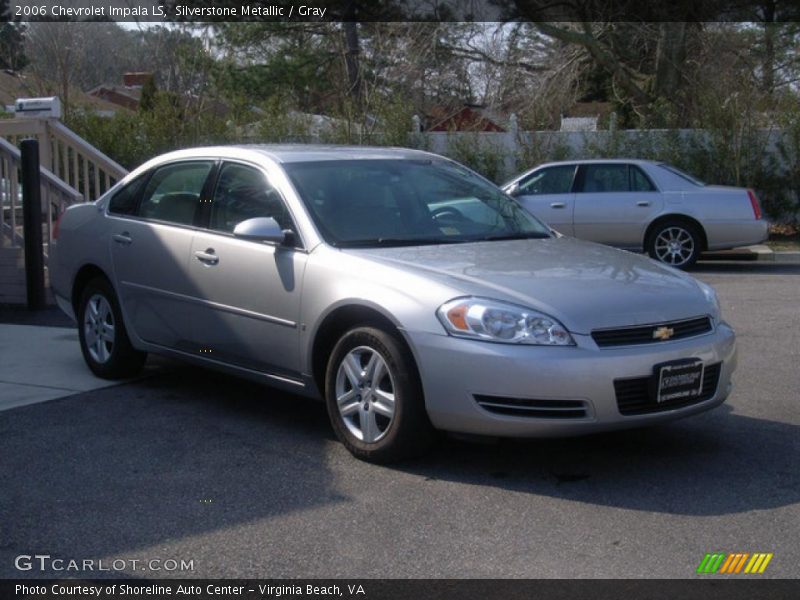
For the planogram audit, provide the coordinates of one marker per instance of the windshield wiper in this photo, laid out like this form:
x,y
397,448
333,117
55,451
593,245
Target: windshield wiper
x,y
515,236
389,241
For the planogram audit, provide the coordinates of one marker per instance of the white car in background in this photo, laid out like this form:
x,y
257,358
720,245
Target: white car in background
x,y
641,205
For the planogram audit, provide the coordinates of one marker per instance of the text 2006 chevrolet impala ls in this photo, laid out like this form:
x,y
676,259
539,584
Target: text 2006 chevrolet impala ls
x,y
407,291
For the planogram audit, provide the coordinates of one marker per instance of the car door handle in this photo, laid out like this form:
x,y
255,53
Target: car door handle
x,y
643,203
122,238
558,205
208,257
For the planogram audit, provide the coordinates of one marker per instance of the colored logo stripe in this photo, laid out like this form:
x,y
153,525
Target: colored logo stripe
x,y
722,563
710,563
734,563
758,563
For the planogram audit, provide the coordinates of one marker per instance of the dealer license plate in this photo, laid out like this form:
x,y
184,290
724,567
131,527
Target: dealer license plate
x,y
680,380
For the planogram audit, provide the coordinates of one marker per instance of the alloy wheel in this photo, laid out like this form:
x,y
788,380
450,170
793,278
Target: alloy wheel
x,y
674,246
99,331
365,394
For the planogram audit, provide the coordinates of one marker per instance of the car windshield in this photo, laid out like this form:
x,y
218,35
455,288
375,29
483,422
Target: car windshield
x,y
375,202
681,174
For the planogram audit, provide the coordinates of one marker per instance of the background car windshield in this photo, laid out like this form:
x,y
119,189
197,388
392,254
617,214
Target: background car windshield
x,y
385,202
681,174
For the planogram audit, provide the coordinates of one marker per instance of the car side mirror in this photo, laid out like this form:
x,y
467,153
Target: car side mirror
x,y
262,229
513,190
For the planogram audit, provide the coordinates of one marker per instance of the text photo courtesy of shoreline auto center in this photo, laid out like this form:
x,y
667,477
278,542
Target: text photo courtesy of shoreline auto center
x,y
399,299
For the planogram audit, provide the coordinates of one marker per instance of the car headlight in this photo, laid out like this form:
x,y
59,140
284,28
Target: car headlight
x,y
495,321
711,295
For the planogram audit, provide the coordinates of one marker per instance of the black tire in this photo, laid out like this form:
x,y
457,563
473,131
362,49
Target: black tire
x,y
113,359
688,243
408,433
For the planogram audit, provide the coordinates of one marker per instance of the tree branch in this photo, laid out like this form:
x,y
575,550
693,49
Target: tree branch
x,y
601,54
478,55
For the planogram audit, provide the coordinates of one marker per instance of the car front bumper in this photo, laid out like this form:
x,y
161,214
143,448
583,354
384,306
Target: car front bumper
x,y
454,371
65,305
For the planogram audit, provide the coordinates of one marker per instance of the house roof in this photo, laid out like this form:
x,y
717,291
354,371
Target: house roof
x,y
133,92
129,97
15,85
468,117
118,95
589,109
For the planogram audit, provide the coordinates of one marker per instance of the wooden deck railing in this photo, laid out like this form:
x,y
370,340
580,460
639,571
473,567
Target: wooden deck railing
x,y
66,155
55,194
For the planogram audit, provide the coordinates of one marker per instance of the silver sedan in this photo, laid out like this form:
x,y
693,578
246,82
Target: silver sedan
x,y
641,205
409,293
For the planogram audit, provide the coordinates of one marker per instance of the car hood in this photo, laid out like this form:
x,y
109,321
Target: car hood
x,y
585,285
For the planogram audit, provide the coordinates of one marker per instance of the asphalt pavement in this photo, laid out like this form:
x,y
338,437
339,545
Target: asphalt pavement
x,y
243,481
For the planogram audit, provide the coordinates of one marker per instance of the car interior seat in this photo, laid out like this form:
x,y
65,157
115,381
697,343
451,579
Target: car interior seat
x,y
368,206
176,207
595,185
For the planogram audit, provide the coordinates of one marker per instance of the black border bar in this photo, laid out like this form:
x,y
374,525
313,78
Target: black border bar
x,y
163,11
709,587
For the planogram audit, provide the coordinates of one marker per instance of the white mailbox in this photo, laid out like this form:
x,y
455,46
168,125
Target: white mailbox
x,y
38,108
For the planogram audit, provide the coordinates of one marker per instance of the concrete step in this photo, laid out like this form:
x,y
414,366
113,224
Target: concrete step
x,y
12,277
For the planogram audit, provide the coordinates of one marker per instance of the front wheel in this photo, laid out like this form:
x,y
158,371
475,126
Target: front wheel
x,y
675,243
374,397
104,341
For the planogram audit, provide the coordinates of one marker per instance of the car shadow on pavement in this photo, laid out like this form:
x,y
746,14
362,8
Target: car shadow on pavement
x,y
171,457
198,457
713,464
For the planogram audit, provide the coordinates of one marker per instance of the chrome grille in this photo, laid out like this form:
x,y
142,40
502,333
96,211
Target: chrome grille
x,y
644,334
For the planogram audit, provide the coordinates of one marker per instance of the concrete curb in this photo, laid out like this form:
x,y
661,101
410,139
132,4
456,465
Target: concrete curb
x,y
759,253
787,257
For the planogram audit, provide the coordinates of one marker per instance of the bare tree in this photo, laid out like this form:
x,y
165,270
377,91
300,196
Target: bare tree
x,y
56,50
778,43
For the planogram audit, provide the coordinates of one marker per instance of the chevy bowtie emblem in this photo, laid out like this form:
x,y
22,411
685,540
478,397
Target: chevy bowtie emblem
x,y
663,333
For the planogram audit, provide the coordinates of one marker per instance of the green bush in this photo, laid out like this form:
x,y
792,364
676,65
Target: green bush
x,y
729,153
762,159
486,158
543,147
132,138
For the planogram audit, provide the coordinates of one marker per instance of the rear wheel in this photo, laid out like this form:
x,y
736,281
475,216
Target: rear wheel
x,y
105,345
675,243
374,397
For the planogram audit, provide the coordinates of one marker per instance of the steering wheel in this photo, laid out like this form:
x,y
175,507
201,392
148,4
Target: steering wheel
x,y
448,212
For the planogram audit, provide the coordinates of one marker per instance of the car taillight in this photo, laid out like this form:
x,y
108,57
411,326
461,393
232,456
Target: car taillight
x,y
754,204
56,226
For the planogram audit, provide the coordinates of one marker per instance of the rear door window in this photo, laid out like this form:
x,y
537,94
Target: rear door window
x,y
639,181
605,178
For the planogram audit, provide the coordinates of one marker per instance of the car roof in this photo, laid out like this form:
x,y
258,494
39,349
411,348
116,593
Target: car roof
x,y
605,161
581,161
294,153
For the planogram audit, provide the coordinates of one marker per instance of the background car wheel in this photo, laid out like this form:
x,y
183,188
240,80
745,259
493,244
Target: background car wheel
x,y
374,397
675,243
104,340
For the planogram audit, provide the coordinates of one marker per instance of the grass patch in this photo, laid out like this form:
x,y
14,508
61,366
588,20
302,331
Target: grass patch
x,y
784,238
784,245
